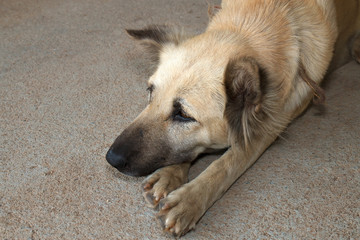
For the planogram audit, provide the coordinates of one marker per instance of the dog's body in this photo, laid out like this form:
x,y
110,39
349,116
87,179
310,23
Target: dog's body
x,y
236,86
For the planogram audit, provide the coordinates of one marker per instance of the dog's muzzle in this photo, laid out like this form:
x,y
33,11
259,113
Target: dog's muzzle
x,y
133,156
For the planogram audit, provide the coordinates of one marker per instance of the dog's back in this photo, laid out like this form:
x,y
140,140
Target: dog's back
x,y
342,18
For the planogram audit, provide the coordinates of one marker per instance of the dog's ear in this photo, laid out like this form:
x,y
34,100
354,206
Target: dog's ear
x,y
155,37
244,95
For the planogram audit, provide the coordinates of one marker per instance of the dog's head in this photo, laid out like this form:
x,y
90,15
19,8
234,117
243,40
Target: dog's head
x,y
197,95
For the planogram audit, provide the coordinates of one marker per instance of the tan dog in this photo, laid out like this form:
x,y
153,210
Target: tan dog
x,y
236,87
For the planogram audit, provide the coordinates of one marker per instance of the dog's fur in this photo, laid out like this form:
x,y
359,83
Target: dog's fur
x,y
236,87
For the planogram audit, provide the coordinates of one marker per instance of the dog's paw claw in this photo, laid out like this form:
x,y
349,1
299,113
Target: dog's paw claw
x,y
146,186
163,206
150,199
165,224
161,221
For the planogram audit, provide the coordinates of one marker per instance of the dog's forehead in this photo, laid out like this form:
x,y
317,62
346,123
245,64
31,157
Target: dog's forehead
x,y
169,67
181,68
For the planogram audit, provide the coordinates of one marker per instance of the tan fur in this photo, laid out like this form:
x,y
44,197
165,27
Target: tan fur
x,y
235,86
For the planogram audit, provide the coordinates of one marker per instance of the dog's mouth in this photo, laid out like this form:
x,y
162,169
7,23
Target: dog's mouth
x,y
135,173
131,173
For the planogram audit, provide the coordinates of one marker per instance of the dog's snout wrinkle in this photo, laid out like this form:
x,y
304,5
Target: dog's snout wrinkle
x,y
116,160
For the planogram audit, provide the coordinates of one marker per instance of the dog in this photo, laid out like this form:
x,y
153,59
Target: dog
x,y
236,87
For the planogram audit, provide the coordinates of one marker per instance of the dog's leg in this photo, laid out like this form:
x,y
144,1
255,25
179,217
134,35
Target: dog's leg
x,y
355,47
182,208
163,181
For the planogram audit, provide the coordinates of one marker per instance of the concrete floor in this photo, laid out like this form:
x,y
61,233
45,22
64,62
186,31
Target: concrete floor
x,y
71,81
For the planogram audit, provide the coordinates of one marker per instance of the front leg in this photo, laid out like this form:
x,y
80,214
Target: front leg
x,y
182,208
163,181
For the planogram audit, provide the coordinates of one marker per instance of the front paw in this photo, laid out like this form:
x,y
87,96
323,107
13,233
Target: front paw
x,y
162,182
181,210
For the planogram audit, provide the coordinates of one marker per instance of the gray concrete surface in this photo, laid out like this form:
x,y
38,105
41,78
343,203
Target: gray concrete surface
x,y
71,81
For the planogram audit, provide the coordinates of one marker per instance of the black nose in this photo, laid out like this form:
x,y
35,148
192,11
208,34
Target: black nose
x,y
115,159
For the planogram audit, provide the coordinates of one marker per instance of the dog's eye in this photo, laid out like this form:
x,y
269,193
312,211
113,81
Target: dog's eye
x,y
182,116
150,90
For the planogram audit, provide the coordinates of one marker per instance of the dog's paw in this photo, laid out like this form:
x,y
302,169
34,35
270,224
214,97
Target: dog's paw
x,y
165,180
181,210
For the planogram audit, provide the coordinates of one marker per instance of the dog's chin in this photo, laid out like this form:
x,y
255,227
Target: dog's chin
x,y
131,173
136,172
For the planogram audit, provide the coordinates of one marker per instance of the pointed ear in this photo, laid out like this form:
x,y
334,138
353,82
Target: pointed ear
x,y
155,37
244,95
242,83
